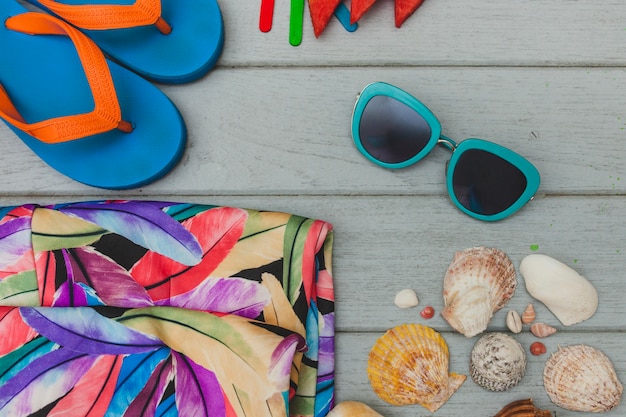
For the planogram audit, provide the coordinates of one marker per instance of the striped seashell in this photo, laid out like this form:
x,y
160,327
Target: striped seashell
x,y
582,378
409,365
528,316
522,408
478,282
542,330
497,362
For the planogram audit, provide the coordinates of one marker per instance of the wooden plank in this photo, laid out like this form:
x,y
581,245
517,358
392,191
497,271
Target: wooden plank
x,y
352,382
287,131
388,243
451,32
385,244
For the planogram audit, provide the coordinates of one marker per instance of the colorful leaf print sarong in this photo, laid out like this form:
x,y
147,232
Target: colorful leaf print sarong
x,y
135,308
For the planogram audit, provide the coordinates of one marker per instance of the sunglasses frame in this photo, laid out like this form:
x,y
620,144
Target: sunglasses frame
x,y
526,168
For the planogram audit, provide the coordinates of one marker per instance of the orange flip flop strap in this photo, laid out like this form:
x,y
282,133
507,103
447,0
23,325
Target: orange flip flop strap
x,y
106,114
110,16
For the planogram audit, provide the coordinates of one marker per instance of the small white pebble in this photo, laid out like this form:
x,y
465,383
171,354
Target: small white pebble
x,y
406,298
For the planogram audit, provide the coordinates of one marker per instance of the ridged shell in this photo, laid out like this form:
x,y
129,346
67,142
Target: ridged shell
x,y
582,378
497,362
478,282
522,408
352,409
409,365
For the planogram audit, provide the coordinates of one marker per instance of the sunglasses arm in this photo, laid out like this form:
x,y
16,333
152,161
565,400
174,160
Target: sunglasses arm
x,y
447,142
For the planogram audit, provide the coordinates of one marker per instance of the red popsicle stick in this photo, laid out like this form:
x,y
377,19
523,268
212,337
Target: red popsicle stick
x,y
267,15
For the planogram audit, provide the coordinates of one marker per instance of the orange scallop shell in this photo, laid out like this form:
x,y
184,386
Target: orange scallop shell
x,y
409,365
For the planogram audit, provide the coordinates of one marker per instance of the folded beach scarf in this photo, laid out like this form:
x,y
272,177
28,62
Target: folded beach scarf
x,y
138,308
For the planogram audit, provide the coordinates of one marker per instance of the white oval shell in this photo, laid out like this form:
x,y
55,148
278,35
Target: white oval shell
x,y
567,294
582,378
478,282
352,409
497,362
406,298
514,321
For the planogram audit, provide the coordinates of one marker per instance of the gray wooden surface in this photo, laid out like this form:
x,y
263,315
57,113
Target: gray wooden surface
x,y
269,129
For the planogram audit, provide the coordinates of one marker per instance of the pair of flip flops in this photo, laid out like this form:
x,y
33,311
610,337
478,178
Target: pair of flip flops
x,y
75,82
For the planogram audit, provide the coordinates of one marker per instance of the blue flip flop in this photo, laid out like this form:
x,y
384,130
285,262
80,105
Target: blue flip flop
x,y
168,41
54,102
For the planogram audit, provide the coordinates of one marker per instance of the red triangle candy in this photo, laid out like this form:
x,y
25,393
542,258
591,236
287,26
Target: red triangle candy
x,y
358,8
404,9
321,13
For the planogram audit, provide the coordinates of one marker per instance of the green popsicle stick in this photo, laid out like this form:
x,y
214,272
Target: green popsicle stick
x,y
296,22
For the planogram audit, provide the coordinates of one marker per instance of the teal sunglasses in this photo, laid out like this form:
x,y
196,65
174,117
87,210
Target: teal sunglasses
x,y
485,180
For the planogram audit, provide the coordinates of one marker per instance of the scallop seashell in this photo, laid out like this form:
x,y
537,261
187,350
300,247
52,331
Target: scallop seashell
x,y
497,362
406,298
529,315
542,330
352,409
523,408
409,365
514,321
478,282
582,378
568,295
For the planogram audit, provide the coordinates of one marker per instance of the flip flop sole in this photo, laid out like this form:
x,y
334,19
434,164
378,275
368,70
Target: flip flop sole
x,y
44,78
187,53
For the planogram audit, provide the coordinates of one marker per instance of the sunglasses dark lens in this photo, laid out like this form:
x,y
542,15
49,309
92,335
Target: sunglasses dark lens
x,y
486,184
391,131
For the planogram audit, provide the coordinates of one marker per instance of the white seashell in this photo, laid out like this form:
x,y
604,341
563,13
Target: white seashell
x,y
406,298
529,315
514,321
582,378
497,362
568,295
542,330
352,409
478,282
